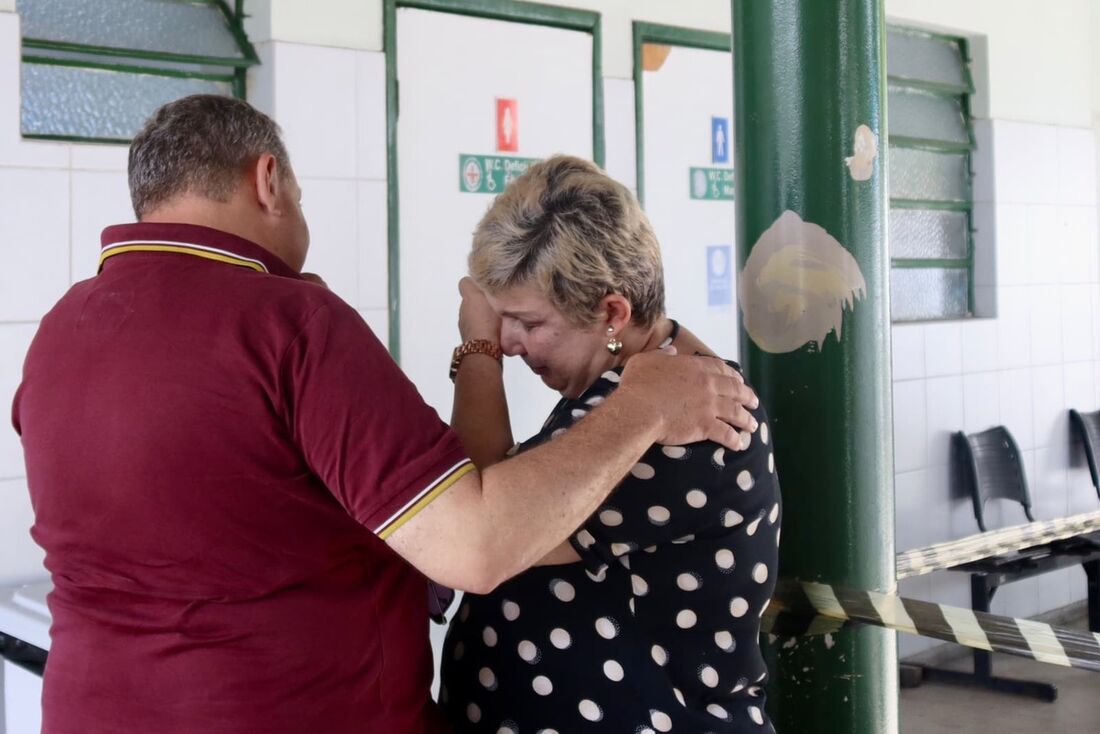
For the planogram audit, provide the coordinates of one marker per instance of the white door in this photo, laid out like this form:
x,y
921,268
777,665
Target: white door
x,y
688,168
454,72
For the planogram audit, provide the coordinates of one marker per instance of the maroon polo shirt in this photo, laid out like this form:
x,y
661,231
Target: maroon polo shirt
x,y
215,451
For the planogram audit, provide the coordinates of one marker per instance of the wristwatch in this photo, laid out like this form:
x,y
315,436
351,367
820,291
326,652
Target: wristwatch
x,y
474,346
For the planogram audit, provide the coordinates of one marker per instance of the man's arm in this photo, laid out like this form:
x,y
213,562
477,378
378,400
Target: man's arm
x,y
493,525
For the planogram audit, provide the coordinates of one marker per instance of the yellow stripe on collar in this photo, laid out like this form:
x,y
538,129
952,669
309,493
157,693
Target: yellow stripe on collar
x,y
208,254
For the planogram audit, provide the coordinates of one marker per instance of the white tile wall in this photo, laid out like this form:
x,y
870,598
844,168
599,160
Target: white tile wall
x,y
1016,398
979,342
943,348
99,199
36,238
981,401
1014,326
1011,244
20,557
944,416
1046,324
907,351
1049,406
1024,368
370,105
314,95
1076,167
910,435
92,157
14,340
331,208
373,247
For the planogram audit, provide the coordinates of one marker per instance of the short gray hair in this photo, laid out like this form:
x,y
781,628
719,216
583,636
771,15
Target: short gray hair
x,y
200,144
575,233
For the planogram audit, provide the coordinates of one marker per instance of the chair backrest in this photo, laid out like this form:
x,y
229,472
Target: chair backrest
x,y
1087,426
993,469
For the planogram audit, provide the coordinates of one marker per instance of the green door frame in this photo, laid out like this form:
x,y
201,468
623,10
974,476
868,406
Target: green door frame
x,y
508,10
673,36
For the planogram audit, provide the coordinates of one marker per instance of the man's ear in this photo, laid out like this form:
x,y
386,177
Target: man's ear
x,y
616,311
268,180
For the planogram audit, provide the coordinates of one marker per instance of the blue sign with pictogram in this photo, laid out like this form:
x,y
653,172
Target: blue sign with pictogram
x,y
719,140
719,275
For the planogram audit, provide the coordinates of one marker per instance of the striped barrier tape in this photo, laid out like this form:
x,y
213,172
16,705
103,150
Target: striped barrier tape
x,y
813,608
953,553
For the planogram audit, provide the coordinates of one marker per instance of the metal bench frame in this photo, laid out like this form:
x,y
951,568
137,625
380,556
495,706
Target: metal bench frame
x,y
994,469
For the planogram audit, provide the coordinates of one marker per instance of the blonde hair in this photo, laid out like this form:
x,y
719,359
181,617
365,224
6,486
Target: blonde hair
x,y
568,228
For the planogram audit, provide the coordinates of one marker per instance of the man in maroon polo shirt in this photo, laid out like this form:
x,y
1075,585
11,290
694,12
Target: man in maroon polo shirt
x,y
238,491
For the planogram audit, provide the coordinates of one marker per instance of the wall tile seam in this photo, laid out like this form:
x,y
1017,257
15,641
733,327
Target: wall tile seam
x,y
5,167
351,179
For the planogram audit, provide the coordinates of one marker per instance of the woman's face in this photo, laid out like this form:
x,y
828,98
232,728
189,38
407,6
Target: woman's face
x,y
567,357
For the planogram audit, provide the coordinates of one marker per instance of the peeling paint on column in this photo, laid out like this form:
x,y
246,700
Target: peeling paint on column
x,y
861,164
796,284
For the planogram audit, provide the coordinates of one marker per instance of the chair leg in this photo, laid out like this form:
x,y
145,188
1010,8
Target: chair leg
x,y
981,595
1092,571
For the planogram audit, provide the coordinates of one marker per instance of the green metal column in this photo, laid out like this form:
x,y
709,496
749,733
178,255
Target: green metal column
x,y
807,75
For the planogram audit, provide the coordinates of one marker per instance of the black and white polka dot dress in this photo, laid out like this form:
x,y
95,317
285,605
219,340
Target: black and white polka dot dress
x,y
657,629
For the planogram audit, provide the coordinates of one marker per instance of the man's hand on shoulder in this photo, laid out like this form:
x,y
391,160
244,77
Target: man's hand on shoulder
x,y
690,398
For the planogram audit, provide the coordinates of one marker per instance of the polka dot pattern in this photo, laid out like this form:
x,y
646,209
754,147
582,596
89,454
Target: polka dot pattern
x,y
673,572
658,515
686,619
590,710
563,590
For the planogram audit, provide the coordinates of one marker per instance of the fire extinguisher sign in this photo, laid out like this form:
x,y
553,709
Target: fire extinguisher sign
x,y
507,125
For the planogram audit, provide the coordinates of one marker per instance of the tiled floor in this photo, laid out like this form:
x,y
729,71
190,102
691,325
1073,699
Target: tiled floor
x,y
937,707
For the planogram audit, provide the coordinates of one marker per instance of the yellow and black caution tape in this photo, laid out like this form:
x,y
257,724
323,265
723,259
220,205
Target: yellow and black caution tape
x,y
805,607
953,553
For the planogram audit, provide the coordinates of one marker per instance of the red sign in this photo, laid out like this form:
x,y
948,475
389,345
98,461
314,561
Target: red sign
x,y
507,125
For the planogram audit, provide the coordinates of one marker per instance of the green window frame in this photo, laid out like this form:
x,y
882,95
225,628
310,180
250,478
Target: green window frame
x,y
667,35
585,21
946,157
228,71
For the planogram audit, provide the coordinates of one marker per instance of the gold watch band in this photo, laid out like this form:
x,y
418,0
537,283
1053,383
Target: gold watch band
x,y
474,346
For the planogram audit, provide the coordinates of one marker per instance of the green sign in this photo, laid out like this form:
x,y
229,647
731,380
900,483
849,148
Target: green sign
x,y
488,174
711,183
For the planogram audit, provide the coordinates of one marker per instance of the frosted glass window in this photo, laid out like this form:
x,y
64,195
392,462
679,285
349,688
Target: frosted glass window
x,y
192,28
914,113
930,139
96,69
922,57
96,103
928,175
928,233
929,293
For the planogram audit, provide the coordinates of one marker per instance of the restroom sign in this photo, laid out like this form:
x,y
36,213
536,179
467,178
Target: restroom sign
x,y
507,125
719,140
715,184
719,276
489,174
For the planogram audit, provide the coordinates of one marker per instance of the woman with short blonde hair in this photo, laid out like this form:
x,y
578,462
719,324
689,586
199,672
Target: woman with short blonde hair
x,y
648,618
